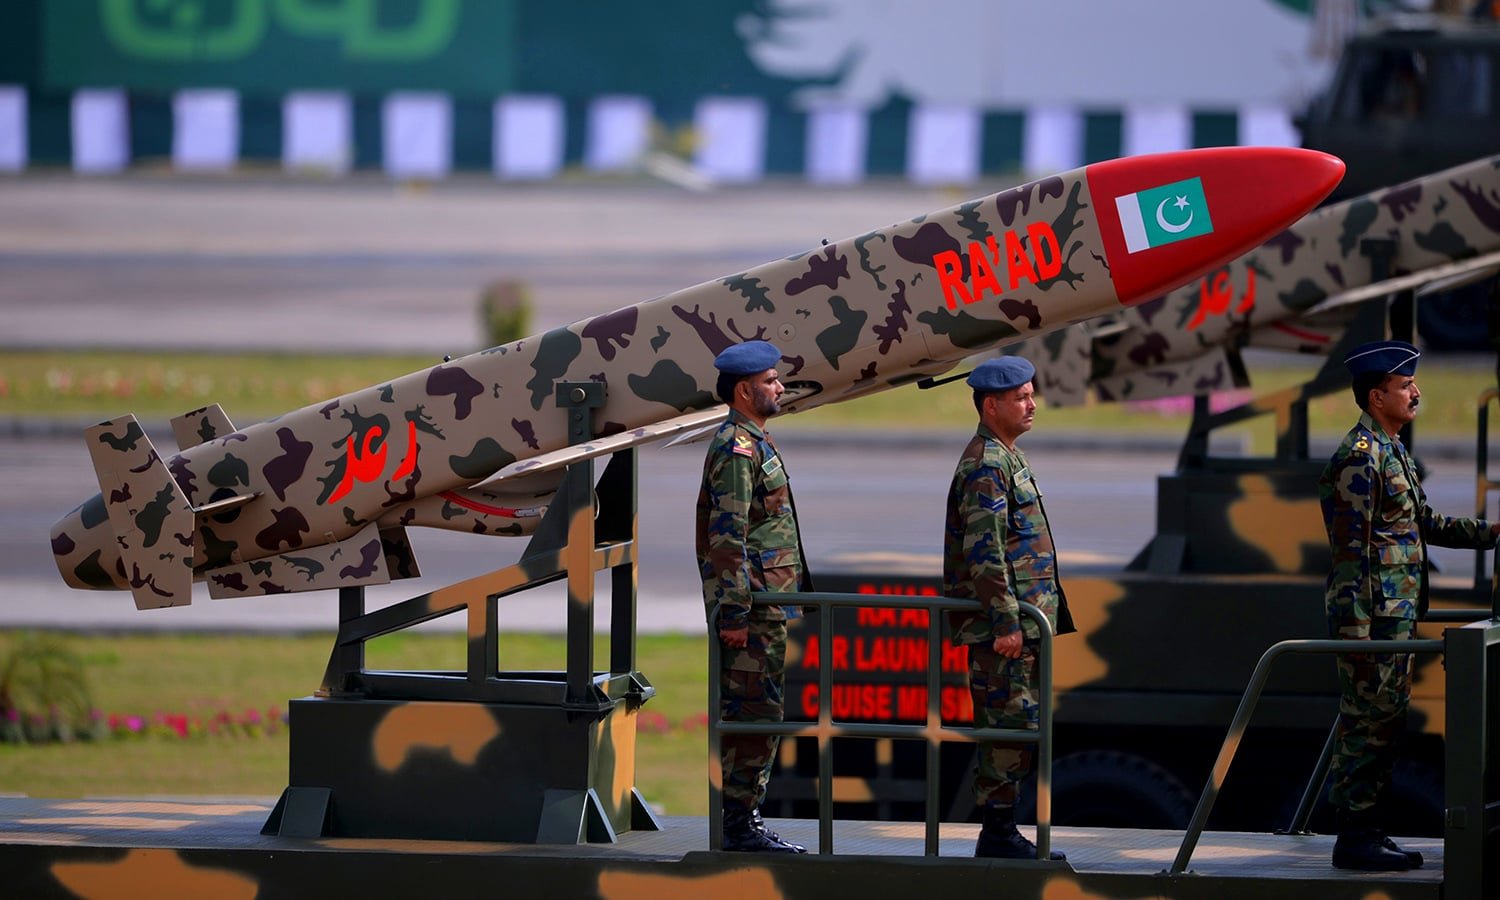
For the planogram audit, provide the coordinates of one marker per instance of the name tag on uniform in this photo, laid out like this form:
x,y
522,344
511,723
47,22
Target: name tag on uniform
x,y
1024,475
771,465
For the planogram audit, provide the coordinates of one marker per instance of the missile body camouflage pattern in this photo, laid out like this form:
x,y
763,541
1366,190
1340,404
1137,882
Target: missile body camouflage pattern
x,y
320,497
1188,340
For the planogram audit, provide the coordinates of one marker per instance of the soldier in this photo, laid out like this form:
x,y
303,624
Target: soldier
x,y
1379,526
997,549
748,541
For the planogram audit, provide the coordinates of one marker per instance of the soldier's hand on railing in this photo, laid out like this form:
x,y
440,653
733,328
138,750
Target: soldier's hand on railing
x,y
1009,646
735,637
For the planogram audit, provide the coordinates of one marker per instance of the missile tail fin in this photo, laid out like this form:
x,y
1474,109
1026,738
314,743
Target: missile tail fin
x,y
400,556
201,426
151,517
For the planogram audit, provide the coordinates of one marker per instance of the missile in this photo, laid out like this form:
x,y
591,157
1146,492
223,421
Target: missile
x,y
1298,292
321,497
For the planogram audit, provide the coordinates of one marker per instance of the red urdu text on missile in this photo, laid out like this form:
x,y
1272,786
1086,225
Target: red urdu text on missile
x,y
365,465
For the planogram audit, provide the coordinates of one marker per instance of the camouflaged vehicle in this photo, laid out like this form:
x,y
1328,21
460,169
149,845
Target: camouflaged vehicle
x,y
1413,95
398,781
1239,558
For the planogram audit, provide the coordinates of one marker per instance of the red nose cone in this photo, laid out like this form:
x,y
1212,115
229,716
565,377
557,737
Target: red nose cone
x,y
1167,218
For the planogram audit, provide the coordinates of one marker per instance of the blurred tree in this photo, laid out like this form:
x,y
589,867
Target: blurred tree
x,y
505,312
44,693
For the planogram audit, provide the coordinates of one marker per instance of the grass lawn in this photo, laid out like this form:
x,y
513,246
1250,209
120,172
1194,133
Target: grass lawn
x,y
202,675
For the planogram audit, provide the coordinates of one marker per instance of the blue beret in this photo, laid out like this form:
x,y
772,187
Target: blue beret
x,y
748,358
1384,357
1001,374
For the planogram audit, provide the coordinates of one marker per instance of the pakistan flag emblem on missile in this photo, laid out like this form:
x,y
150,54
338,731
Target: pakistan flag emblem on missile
x,y
1164,215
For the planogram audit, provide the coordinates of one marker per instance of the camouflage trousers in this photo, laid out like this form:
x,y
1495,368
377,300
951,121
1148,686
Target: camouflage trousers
x,y
1004,697
751,684
1375,689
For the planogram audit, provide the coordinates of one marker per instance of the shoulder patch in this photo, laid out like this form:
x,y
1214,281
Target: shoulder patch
x,y
742,445
992,455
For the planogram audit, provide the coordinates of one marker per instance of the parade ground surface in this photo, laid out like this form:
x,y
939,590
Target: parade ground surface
x,y
213,848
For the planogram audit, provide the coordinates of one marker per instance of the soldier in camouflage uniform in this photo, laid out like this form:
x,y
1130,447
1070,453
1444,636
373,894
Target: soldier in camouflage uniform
x,y
997,548
748,541
1379,526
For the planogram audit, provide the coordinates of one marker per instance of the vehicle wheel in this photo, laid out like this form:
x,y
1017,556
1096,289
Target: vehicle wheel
x,y
1113,789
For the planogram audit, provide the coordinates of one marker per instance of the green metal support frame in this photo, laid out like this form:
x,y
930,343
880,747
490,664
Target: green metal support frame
x,y
1320,770
1246,709
575,539
1471,820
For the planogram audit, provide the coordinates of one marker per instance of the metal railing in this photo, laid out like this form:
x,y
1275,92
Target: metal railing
x,y
1320,771
1483,487
932,730
1247,709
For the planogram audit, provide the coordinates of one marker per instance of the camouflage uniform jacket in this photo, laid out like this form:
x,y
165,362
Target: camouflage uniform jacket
x,y
1379,526
997,546
746,526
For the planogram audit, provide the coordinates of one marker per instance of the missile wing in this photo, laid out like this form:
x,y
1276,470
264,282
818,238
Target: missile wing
x,y
298,502
1296,292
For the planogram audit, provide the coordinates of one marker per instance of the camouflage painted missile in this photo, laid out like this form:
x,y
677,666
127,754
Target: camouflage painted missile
x,y
1293,293
321,497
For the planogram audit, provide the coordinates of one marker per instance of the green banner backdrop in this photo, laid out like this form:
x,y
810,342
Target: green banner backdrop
x,y
272,46
670,50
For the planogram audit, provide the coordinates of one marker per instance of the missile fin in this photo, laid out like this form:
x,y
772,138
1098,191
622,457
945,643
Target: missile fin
x,y
1445,277
201,426
400,556
600,446
356,560
219,507
1216,369
694,435
148,512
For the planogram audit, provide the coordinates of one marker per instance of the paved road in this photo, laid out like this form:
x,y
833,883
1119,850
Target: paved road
x,y
364,266
869,504
862,505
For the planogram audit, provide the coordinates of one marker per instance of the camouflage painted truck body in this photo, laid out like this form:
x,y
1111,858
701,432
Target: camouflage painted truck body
x,y
320,497
1237,564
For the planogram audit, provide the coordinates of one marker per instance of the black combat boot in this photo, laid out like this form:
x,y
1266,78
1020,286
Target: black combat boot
x,y
759,824
741,835
1413,857
1361,846
999,839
